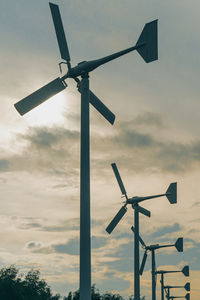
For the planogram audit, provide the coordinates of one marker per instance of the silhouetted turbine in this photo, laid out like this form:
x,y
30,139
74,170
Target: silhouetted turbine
x,y
187,297
146,46
168,296
171,195
178,245
185,271
186,286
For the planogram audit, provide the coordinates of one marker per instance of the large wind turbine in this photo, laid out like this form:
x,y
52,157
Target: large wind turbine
x,y
171,195
185,270
179,247
146,46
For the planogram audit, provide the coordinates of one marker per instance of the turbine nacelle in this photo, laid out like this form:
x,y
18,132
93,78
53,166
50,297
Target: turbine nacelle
x,y
153,247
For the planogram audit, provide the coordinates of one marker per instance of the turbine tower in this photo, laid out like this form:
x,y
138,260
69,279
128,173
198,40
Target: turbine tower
x,y
179,247
171,195
185,271
147,47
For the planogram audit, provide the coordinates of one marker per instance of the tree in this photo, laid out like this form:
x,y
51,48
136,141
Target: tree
x,y
95,295
14,287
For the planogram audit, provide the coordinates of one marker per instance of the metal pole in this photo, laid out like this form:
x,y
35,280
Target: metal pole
x,y
162,286
85,248
153,267
136,255
168,293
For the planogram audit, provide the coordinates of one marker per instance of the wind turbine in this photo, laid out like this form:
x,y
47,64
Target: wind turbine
x,y
187,297
185,271
186,286
171,195
168,287
168,296
179,247
147,47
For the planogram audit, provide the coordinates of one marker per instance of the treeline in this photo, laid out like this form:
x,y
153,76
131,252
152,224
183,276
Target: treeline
x,y
15,286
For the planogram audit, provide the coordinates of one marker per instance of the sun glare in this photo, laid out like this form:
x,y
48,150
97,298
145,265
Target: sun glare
x,y
49,112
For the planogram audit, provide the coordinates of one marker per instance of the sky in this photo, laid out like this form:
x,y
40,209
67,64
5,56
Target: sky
x,y
154,141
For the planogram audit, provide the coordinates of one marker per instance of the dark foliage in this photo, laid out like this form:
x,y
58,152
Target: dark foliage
x,y
13,286
95,295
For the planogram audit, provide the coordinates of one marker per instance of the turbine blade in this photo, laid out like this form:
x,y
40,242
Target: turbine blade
x,y
102,109
171,193
116,219
140,239
118,177
149,37
143,263
60,34
143,211
179,244
41,95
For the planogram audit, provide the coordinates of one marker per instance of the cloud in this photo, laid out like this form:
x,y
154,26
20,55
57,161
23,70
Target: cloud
x,y
45,225
70,247
4,165
56,150
166,230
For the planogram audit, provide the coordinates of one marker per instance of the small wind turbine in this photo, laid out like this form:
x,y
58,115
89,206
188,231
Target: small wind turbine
x,y
171,195
187,297
168,296
185,271
168,287
178,245
147,47
186,286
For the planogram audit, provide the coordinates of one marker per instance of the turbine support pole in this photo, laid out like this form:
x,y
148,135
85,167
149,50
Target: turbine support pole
x,y
168,293
162,286
136,255
153,275
85,248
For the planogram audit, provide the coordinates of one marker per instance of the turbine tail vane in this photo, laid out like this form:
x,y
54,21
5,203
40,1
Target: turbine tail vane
x,y
186,271
187,296
179,244
149,37
187,286
171,193
60,34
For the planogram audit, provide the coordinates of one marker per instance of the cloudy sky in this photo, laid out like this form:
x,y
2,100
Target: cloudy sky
x,y
154,141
